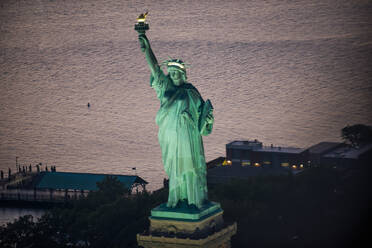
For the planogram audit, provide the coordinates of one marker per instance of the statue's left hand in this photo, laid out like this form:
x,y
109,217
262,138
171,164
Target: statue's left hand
x,y
208,124
209,119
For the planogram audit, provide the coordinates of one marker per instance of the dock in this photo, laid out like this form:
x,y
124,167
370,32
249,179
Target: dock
x,y
59,187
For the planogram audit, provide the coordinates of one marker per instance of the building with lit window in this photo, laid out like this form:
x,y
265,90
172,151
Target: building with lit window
x,y
254,154
252,158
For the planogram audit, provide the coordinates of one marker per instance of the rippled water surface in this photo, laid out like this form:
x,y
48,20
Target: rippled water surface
x,y
291,73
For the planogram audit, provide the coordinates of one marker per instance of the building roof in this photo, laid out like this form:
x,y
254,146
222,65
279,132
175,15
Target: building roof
x,y
258,147
81,181
323,147
279,149
244,144
215,162
348,152
251,143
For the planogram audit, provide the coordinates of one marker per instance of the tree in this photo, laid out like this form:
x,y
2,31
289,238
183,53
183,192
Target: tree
x,y
106,218
357,134
25,232
111,188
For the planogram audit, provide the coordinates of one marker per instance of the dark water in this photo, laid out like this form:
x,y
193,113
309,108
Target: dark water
x,y
291,73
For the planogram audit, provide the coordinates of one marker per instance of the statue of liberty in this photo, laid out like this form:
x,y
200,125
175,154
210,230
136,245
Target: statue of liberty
x,y
182,119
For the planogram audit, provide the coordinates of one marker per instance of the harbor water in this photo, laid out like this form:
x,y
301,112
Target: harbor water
x,y
288,73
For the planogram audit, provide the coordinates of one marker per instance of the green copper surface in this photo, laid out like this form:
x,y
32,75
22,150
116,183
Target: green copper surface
x,y
183,118
185,213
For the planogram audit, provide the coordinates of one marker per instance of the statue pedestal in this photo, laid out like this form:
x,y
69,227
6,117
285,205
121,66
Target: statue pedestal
x,y
185,227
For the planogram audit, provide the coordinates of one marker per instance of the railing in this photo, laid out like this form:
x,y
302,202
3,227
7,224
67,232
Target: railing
x,y
17,178
39,195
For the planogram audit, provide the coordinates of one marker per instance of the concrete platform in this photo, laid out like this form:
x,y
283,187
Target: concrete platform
x,y
201,227
220,239
183,213
187,227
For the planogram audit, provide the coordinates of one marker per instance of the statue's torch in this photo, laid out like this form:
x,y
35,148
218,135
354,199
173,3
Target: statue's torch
x,y
141,26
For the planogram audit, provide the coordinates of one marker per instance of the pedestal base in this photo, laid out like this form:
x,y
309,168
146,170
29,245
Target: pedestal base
x,y
220,239
185,227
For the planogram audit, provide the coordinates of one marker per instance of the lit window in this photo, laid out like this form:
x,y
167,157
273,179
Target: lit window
x,y
246,163
267,162
257,165
226,162
285,164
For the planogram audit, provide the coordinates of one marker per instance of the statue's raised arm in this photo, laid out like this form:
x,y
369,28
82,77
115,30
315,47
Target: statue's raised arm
x,y
141,27
150,56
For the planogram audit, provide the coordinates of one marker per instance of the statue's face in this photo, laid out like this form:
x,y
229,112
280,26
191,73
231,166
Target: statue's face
x,y
176,76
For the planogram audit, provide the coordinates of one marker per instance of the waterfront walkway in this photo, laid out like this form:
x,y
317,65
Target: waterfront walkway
x,y
39,195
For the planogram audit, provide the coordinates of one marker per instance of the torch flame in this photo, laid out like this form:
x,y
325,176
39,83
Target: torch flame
x,y
142,17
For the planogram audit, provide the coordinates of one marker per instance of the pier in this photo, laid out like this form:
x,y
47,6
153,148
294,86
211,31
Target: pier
x,y
40,196
58,187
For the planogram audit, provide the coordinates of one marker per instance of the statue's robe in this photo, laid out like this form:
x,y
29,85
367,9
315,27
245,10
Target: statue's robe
x,y
180,139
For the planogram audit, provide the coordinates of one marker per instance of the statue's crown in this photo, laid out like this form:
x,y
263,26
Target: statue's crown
x,y
177,63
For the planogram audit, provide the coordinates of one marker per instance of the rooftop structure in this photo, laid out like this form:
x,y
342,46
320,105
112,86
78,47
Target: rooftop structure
x,y
323,147
279,149
256,145
246,144
348,152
